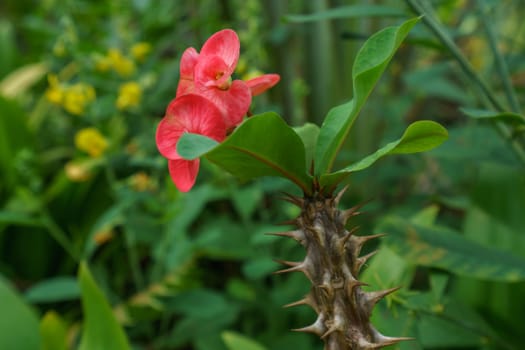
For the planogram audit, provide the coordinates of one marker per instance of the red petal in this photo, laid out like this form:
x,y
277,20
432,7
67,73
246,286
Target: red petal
x,y
224,44
188,113
261,84
185,87
187,63
233,103
183,173
211,71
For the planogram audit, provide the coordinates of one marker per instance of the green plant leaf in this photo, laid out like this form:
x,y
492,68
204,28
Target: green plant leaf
x,y
101,329
193,146
483,114
444,248
53,331
370,62
18,322
420,136
54,289
352,11
308,133
264,145
236,341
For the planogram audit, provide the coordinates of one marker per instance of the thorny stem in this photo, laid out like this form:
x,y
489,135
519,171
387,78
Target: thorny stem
x,y
467,68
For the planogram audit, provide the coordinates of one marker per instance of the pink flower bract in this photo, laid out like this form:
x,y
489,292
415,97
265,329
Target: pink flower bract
x,y
189,113
209,74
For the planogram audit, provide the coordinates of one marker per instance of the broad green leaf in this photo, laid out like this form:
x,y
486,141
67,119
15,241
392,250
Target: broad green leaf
x,y
370,62
264,145
53,331
18,322
443,248
236,341
495,219
101,329
420,136
387,269
352,11
308,133
54,289
193,146
483,114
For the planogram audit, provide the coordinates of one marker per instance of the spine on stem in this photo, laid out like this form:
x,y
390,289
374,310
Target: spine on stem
x,y
332,263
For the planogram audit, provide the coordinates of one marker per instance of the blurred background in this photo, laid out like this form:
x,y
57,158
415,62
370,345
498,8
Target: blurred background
x,y
83,85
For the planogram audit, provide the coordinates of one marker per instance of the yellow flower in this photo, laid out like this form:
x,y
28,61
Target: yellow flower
x,y
129,95
91,141
104,235
121,64
77,171
76,97
102,63
140,50
141,182
55,92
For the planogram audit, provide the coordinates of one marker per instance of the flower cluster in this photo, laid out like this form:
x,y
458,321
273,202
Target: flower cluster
x,y
74,98
208,101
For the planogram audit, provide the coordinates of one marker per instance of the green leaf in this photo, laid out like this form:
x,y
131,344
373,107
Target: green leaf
x,y
420,136
483,114
443,248
53,290
18,322
192,146
370,62
352,11
236,341
101,329
53,331
308,133
264,145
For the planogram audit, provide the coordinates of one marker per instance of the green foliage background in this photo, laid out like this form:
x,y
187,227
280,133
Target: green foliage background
x,y
118,258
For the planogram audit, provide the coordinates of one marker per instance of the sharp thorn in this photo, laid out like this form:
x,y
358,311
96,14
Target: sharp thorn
x,y
296,235
329,331
349,234
317,327
351,285
291,222
382,340
304,301
373,297
361,240
348,213
291,269
309,329
298,201
340,194
287,263
363,259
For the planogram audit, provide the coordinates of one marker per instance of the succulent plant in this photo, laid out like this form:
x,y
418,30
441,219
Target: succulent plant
x,y
332,264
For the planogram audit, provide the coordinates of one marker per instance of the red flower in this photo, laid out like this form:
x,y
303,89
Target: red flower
x,y
188,113
209,74
208,102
